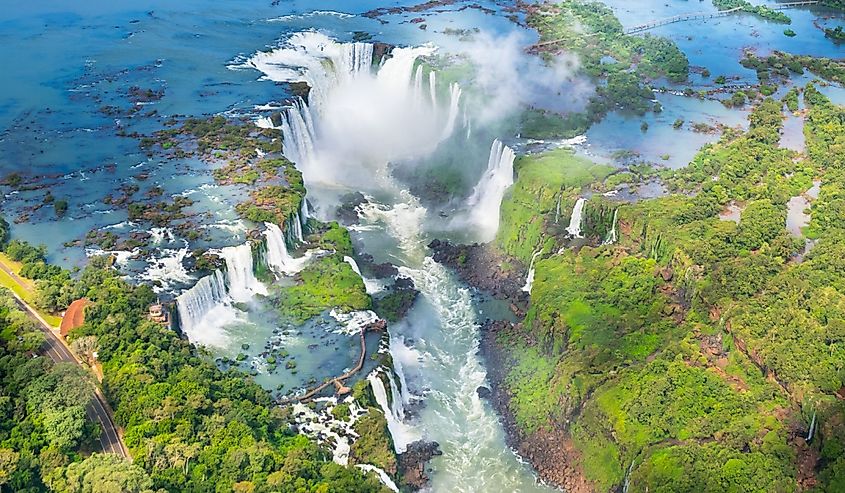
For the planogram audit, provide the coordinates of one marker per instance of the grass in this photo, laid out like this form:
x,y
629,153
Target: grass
x,y
26,292
532,201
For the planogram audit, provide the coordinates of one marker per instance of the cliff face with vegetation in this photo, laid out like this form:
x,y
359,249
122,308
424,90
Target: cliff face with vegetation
x,y
693,354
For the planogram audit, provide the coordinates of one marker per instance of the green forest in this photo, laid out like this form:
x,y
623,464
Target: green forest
x,y
695,353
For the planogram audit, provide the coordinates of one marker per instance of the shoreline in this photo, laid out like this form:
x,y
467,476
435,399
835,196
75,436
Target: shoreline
x,y
550,453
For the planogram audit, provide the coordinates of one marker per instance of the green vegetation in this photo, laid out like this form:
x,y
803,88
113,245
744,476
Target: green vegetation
x,y
836,34
783,64
627,63
789,33
327,283
43,423
759,10
689,353
530,208
374,445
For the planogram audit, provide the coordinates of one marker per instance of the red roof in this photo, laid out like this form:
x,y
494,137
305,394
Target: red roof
x,y
74,316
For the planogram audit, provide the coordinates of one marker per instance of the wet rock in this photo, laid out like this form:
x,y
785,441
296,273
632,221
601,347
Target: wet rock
x,y
347,212
481,268
412,464
483,392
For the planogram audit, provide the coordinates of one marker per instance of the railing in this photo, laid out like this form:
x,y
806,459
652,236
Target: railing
x,y
707,15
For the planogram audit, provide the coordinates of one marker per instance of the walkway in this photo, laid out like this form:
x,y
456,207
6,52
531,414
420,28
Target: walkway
x,y
337,381
98,409
707,15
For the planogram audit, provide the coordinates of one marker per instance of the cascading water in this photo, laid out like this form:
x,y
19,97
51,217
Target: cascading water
x,y
402,434
205,308
612,236
357,123
239,270
574,228
383,476
529,279
557,208
349,103
486,198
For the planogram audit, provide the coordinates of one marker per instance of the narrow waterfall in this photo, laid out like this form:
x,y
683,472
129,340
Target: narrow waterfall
x,y
351,261
239,268
298,129
574,228
397,347
612,236
529,280
486,198
812,430
194,303
396,404
401,433
627,483
557,208
454,101
381,474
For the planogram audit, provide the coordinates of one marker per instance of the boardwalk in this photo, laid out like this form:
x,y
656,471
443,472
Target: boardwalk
x,y
337,381
707,15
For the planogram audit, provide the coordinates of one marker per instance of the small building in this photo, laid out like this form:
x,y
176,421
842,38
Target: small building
x,y
159,314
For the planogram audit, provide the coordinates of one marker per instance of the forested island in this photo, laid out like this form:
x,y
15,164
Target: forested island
x,y
277,257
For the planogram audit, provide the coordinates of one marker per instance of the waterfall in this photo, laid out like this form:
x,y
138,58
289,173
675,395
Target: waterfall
x,y
812,427
239,268
381,474
454,101
529,280
351,261
628,478
277,257
612,237
574,228
557,208
194,303
486,198
401,433
350,100
298,131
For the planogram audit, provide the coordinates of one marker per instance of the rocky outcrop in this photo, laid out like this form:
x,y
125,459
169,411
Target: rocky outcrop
x,y
482,268
550,451
412,464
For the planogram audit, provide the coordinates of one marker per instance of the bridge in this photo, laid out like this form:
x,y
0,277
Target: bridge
x,y
707,15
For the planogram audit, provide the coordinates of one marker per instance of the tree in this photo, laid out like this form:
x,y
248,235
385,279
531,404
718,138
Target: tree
x,y
8,464
65,427
105,473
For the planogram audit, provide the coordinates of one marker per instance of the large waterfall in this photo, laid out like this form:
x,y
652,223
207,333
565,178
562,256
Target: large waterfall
x,y
486,198
195,306
357,114
574,228
240,273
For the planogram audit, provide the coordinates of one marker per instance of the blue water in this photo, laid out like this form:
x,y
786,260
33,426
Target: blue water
x,y
66,60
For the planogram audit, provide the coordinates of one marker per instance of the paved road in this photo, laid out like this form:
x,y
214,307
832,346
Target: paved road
x,y
98,410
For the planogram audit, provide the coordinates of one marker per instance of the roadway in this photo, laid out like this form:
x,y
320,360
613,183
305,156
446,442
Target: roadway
x,y
98,409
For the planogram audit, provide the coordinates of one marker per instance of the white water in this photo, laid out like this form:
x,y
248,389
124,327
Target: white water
x,y
381,474
330,138
574,228
529,279
372,285
350,103
394,413
486,198
278,258
205,309
612,235
242,283
167,270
